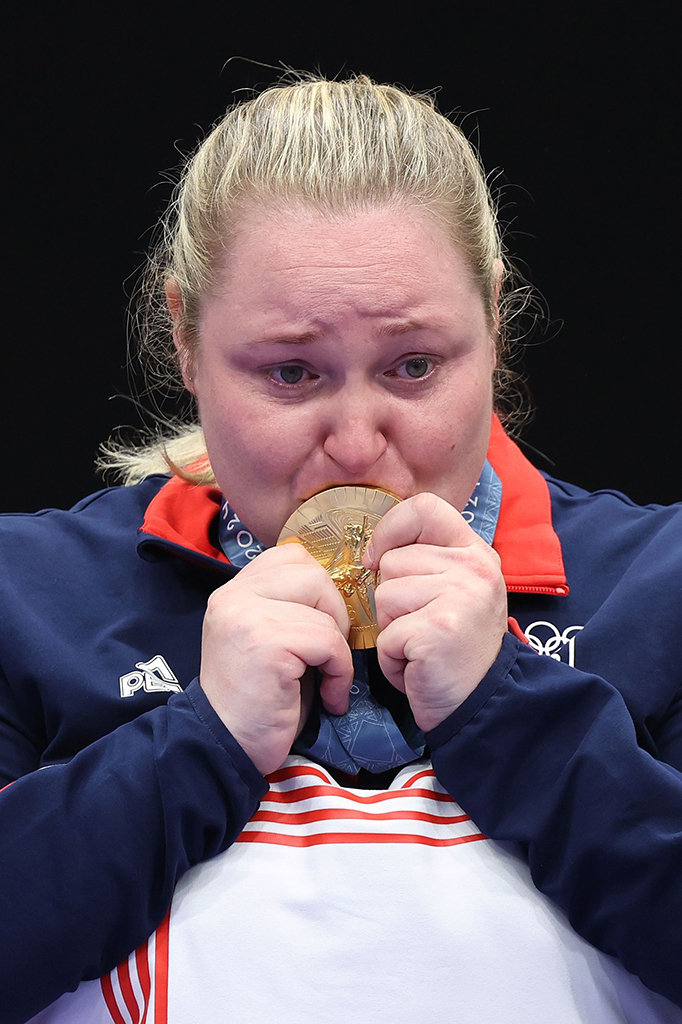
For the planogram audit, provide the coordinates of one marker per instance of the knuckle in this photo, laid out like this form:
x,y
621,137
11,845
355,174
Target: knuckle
x,y
293,553
426,503
337,645
218,602
232,610
495,558
484,563
332,626
445,618
486,572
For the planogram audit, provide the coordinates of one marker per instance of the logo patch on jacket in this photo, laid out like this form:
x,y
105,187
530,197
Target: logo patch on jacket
x,y
545,638
151,676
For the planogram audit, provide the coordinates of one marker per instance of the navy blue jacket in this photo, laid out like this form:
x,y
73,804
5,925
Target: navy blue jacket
x,y
571,746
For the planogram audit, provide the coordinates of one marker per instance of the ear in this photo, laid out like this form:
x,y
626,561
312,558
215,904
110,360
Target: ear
x,y
175,305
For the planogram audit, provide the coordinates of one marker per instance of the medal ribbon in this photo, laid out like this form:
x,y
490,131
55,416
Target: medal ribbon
x,y
367,735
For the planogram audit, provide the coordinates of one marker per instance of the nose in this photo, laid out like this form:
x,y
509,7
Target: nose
x,y
355,432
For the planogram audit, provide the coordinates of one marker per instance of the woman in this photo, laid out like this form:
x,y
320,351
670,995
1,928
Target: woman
x,y
335,284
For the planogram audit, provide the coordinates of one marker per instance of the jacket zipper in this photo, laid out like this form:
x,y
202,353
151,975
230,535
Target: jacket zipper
x,y
556,591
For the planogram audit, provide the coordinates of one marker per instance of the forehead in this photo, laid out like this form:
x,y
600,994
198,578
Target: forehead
x,y
374,262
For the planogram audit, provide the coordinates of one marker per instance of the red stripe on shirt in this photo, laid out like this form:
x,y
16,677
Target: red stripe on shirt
x,y
142,961
294,770
127,990
161,973
427,773
352,837
289,796
327,813
110,1000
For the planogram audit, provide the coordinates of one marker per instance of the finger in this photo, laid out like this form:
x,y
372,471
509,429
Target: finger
x,y
479,560
404,595
273,613
391,661
423,519
418,560
314,639
397,646
290,553
468,577
335,690
302,582
332,655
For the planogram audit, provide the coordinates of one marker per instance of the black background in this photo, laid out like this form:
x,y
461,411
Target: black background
x,y
576,117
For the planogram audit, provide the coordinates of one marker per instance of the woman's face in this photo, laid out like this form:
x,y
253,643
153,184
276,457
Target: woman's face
x,y
342,351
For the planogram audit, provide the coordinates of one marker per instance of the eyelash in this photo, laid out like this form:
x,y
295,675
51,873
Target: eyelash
x,y
280,383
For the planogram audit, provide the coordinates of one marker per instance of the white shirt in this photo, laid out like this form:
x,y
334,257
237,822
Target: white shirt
x,y
345,906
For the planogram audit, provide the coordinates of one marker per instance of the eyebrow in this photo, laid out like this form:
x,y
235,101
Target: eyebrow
x,y
391,330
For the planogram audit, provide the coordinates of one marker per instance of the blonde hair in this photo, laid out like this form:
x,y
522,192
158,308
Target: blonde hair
x,y
338,147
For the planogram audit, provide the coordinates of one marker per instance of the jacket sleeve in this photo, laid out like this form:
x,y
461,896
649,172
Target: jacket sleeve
x,y
547,756
90,851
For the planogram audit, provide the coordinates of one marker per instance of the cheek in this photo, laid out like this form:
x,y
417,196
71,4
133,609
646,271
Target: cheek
x,y
244,439
456,424
448,447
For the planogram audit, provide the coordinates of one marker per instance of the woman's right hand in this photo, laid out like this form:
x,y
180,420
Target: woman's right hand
x,y
280,614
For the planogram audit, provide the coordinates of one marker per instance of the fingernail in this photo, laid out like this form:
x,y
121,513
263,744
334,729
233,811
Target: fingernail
x,y
369,551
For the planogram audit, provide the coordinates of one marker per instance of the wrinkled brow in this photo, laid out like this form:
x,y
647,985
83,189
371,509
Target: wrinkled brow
x,y
390,330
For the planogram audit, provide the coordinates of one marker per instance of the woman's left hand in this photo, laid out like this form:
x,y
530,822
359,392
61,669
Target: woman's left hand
x,y
441,605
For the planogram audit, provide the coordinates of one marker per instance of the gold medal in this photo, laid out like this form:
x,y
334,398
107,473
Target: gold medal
x,y
335,526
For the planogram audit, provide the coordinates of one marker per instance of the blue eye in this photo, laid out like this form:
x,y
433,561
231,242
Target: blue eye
x,y
414,368
291,374
417,367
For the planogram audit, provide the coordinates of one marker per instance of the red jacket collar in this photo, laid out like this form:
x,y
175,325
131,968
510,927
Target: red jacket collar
x,y
525,539
530,550
183,513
